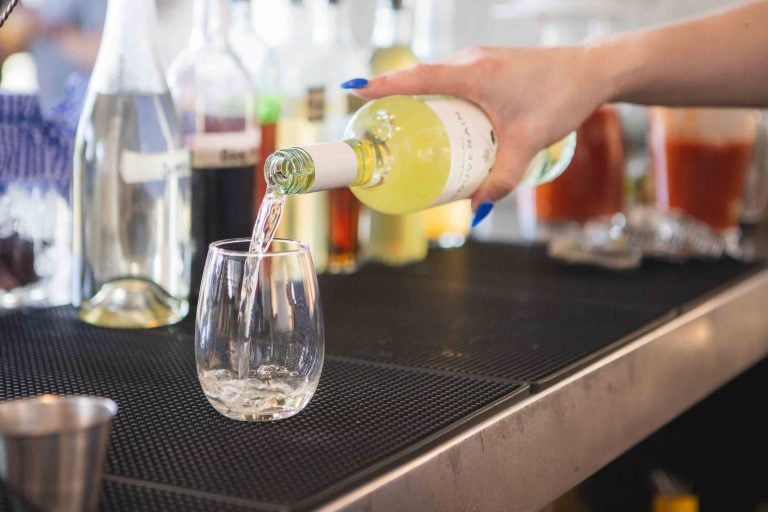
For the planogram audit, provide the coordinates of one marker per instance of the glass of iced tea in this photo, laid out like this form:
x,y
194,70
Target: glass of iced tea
x,y
700,158
592,185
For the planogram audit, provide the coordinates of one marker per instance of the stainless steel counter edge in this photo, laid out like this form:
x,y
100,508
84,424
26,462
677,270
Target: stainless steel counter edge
x,y
523,457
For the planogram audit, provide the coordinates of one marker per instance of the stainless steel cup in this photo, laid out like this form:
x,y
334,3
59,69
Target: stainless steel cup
x,y
53,449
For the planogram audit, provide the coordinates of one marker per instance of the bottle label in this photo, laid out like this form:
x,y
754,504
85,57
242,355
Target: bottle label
x,y
473,146
138,167
225,149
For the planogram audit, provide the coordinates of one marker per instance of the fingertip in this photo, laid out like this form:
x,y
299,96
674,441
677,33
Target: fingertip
x,y
482,212
355,83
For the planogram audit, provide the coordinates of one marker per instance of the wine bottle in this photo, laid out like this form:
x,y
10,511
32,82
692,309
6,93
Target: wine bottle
x,y
130,199
392,37
404,154
303,114
683,502
217,100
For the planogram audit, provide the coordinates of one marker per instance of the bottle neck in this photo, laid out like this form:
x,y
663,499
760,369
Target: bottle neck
x,y
295,27
326,166
340,23
241,16
211,23
128,58
393,25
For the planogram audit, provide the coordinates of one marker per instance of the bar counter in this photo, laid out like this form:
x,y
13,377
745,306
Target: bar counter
x,y
488,378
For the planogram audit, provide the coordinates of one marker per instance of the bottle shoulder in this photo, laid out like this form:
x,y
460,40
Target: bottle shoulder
x,y
215,74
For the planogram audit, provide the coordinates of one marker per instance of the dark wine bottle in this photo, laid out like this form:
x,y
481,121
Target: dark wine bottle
x,y
217,99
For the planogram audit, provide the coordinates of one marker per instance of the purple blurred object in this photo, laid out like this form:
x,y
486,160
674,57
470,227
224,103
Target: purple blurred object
x,y
37,150
35,179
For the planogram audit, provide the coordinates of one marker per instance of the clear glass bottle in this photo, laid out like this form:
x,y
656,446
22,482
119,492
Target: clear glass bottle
x,y
392,37
263,66
131,186
217,101
350,60
302,120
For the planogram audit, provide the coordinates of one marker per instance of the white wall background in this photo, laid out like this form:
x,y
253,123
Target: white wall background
x,y
494,22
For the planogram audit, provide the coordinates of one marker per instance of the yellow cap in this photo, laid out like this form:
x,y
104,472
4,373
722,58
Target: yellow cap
x,y
675,503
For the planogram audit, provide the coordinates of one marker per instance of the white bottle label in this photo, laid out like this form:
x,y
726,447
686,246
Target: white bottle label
x,y
138,167
225,149
473,146
338,162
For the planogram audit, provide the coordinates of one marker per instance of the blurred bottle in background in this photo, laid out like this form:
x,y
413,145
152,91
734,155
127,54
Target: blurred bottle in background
x,y
351,60
392,37
263,66
447,225
131,190
217,101
670,494
394,239
303,113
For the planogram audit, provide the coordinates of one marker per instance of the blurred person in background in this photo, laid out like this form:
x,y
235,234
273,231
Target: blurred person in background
x,y
535,96
62,36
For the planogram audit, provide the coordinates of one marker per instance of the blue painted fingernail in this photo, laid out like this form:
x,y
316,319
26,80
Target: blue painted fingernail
x,y
355,83
482,212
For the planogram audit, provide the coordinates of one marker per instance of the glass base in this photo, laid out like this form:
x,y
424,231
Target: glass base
x,y
277,414
268,393
132,304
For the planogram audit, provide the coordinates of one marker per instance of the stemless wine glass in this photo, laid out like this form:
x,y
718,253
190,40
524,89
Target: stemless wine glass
x,y
259,340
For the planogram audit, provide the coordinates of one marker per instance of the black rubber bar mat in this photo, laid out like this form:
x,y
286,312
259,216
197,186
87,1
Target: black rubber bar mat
x,y
504,336
118,495
527,272
362,420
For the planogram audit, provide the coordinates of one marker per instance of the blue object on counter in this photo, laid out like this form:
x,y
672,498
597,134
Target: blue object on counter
x,y
37,149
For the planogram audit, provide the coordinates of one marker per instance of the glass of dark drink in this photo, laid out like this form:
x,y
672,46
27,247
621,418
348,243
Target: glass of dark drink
x,y
701,158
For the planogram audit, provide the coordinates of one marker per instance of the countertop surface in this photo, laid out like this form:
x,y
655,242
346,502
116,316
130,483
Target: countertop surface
x,y
482,379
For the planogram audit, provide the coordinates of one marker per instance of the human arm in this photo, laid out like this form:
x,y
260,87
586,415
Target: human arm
x,y
535,96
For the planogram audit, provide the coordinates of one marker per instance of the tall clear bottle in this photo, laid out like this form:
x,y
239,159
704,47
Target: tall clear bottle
x,y
131,187
394,239
303,114
217,100
264,67
350,60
